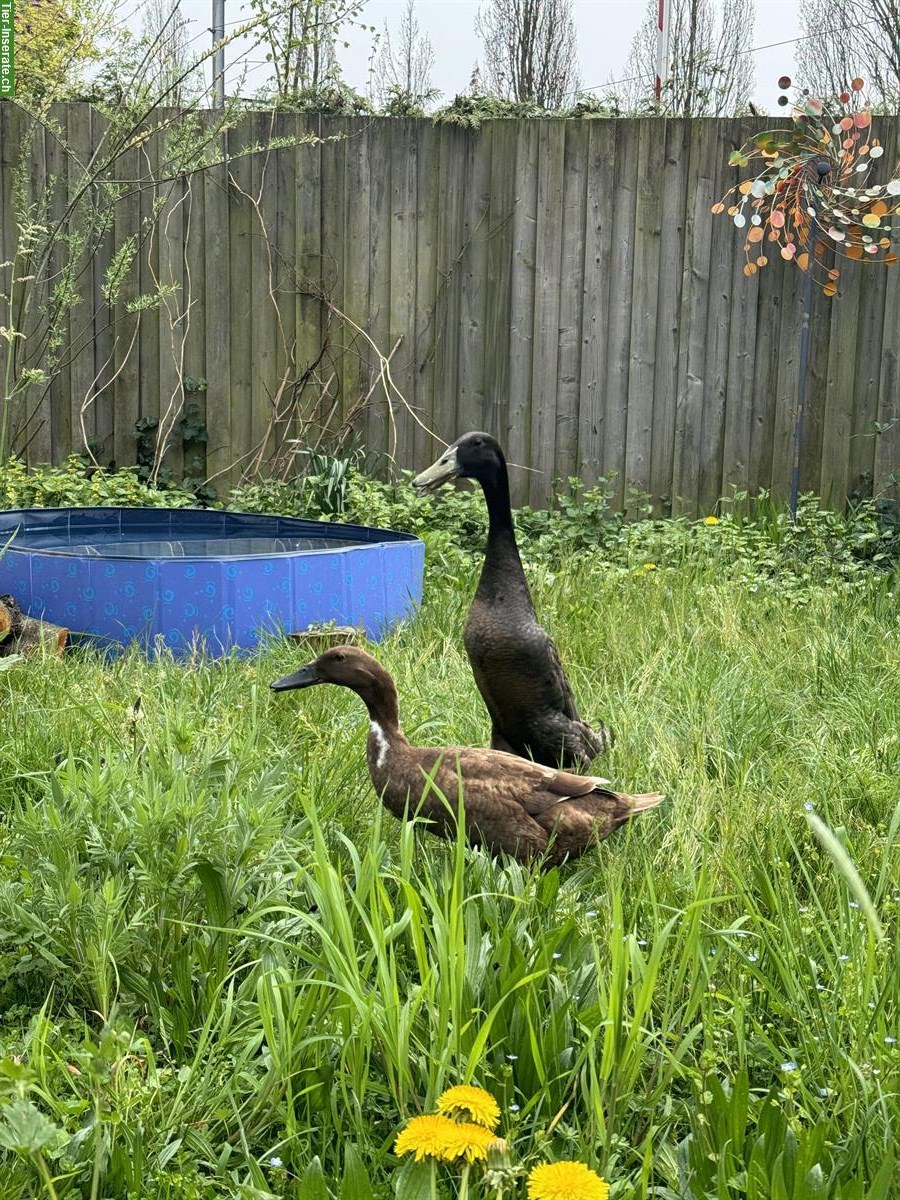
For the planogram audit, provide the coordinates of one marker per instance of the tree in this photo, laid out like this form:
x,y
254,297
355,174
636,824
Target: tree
x,y
850,38
530,50
55,40
301,39
155,66
168,61
710,72
402,70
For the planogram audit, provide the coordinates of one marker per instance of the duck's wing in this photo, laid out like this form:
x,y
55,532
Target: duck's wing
x,y
492,815
509,782
515,805
516,667
576,811
555,788
560,679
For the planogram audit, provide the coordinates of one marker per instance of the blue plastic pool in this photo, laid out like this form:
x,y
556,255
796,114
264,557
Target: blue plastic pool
x,y
191,576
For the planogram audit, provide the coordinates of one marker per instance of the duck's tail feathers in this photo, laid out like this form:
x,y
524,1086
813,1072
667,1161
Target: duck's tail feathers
x,y
642,802
599,738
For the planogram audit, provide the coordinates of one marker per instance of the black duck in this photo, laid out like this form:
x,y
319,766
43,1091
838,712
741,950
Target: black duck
x,y
514,661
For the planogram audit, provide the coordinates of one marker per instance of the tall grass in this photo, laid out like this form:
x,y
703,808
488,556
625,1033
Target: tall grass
x,y
221,964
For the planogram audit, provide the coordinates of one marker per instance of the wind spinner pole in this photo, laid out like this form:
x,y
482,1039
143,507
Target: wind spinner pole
x,y
822,168
803,369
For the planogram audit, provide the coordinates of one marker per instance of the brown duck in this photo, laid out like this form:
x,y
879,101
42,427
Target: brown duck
x,y
511,804
514,661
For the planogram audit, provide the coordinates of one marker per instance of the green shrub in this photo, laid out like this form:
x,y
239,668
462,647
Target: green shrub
x,y
752,541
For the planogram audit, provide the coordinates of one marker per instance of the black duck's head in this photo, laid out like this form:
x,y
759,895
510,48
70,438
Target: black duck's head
x,y
346,666
473,456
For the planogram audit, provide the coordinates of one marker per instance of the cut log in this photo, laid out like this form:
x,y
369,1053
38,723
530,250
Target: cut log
x,y
21,634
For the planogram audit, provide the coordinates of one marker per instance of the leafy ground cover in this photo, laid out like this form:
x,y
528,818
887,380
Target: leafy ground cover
x,y
224,972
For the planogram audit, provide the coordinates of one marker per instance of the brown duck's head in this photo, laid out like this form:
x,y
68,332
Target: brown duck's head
x,y
473,456
347,666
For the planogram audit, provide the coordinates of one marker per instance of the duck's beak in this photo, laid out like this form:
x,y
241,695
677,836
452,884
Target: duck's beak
x,y
445,468
305,677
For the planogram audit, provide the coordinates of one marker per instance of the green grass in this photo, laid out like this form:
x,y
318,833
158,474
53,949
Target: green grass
x,y
217,952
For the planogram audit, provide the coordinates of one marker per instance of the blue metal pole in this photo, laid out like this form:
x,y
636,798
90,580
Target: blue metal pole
x,y
803,373
821,169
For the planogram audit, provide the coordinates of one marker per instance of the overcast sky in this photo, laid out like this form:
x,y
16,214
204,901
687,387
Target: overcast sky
x,y
605,30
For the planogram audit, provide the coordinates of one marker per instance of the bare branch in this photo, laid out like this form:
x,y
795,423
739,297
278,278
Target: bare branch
x,y
403,65
530,50
850,38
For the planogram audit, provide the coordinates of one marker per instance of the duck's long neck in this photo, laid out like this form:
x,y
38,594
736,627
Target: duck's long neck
x,y
502,568
381,702
386,742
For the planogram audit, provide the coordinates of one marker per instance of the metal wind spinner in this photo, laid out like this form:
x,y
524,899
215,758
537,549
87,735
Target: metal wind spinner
x,y
812,193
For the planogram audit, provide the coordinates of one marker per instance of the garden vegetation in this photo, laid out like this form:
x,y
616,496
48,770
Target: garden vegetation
x,y
225,972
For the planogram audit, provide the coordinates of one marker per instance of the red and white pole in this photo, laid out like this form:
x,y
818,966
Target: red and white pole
x,y
663,16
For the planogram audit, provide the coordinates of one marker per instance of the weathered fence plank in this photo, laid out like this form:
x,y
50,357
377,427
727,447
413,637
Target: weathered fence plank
x,y
402,279
695,293
619,321
56,396
240,236
332,240
127,324
571,297
834,482
738,393
545,363
284,298
517,435
427,206
104,332
194,365
498,285
562,284
303,264
448,284
599,293
665,380
81,324
263,311
724,245
886,463
644,304
471,403
154,340
174,315
381,437
215,287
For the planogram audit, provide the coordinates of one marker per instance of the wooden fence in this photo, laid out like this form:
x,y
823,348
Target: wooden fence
x,y
561,284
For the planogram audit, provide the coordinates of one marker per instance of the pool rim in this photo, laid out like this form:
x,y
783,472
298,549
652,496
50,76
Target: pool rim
x,y
388,536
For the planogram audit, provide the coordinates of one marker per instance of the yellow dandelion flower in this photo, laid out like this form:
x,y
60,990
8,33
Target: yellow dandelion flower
x,y
425,1137
566,1181
465,1140
710,520
649,567
471,1103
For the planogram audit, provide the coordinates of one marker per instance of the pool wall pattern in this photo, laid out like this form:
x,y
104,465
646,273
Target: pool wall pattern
x,y
225,603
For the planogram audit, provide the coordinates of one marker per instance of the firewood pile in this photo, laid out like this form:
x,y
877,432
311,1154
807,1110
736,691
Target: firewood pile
x,y
21,634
